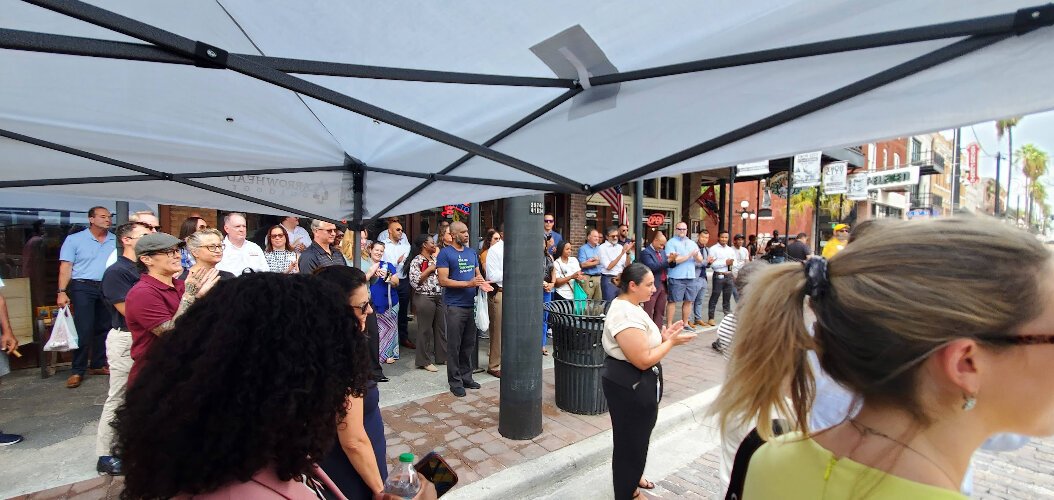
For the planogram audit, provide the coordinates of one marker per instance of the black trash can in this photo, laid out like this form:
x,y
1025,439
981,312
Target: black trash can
x,y
578,354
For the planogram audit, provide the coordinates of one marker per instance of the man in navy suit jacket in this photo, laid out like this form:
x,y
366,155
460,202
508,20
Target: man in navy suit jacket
x,y
654,256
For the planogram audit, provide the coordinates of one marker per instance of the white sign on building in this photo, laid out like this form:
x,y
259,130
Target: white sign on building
x,y
807,169
834,178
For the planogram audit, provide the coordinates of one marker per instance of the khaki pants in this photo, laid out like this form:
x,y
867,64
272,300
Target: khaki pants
x,y
591,285
494,309
119,353
431,330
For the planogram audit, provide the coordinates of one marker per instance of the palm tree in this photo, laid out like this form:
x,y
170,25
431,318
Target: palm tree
x,y
1033,166
1006,127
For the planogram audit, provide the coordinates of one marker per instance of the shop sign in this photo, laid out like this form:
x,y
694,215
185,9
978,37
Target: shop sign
x,y
656,219
461,208
896,177
807,169
834,178
857,187
752,169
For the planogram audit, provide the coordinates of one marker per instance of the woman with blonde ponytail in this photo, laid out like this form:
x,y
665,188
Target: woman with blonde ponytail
x,y
942,328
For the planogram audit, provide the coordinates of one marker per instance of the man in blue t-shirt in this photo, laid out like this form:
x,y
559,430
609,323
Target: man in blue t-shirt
x,y
458,270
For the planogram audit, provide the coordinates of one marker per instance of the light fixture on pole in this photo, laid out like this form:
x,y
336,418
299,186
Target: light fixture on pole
x,y
746,214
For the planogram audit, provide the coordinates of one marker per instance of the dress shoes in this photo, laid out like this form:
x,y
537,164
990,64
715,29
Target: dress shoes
x,y
458,391
472,385
74,381
99,371
496,373
408,345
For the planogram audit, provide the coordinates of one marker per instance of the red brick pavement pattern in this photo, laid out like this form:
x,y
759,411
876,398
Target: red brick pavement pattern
x,y
1022,474
465,430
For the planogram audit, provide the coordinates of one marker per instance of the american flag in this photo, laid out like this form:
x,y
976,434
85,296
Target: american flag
x,y
613,196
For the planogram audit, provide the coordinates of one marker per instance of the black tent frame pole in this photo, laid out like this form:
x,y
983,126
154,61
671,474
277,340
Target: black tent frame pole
x,y
538,186
1002,24
93,47
211,56
151,174
547,107
898,72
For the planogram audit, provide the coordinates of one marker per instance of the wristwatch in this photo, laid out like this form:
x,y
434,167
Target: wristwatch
x,y
62,290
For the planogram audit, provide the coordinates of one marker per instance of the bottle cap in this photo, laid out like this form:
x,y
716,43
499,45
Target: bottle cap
x,y
406,458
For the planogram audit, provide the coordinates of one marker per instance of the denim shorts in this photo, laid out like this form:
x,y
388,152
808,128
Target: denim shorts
x,y
683,290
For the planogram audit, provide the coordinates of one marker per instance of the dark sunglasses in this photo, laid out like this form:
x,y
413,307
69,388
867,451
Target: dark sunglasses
x,y
1018,339
278,235
365,306
549,220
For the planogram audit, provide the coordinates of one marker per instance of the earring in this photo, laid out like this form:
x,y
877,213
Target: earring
x,y
969,402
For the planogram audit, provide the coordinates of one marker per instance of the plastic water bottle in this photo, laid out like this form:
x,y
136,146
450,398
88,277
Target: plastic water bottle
x,y
403,481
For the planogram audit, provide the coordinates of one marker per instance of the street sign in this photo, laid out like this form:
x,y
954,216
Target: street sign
x,y
971,159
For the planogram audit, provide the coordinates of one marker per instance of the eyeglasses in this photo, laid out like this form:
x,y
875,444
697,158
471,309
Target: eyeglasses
x,y
172,253
213,248
613,235
549,221
365,305
334,230
682,229
1018,339
279,235
398,229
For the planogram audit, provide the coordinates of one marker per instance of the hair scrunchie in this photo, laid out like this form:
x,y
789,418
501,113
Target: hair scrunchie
x,y
816,279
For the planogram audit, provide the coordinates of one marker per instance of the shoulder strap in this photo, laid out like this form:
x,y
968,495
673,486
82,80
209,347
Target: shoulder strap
x,y
746,451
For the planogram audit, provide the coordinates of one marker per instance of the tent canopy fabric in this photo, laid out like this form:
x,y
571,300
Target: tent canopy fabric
x,y
356,110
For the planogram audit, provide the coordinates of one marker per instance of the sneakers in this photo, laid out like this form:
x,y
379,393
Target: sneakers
x,y
700,323
472,385
458,391
688,328
109,465
9,439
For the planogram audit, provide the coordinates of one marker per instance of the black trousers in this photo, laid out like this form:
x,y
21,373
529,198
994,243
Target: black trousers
x,y
92,320
460,344
633,414
722,285
404,309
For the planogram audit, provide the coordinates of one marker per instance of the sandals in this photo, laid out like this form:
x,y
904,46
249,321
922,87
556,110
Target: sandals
x,y
644,484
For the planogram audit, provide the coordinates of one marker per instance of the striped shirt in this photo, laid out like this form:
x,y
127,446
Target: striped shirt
x,y
726,334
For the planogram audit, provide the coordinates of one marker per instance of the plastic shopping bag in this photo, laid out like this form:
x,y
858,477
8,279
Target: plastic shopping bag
x,y
581,298
482,314
63,333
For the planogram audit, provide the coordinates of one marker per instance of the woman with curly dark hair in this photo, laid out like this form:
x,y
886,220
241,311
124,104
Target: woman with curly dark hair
x,y
237,401
356,463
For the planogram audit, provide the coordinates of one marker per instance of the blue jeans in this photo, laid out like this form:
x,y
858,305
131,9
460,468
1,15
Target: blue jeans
x,y
608,289
547,297
92,319
697,307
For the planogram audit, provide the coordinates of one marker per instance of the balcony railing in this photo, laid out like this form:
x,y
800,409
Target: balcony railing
x,y
929,162
927,200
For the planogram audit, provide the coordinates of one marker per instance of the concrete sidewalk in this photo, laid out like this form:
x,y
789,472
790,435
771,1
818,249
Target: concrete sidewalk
x,y
420,416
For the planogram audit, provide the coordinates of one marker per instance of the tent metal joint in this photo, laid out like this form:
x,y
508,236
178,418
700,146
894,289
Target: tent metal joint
x,y
1031,18
209,56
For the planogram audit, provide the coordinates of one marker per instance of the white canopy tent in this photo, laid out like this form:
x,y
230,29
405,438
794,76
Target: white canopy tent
x,y
355,110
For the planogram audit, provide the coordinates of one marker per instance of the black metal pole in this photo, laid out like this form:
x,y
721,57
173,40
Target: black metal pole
x,y
520,406
998,160
956,172
473,241
790,187
731,198
638,217
120,215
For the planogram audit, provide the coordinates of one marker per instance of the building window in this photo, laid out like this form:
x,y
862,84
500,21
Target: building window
x,y
885,158
872,157
896,159
649,188
668,188
916,150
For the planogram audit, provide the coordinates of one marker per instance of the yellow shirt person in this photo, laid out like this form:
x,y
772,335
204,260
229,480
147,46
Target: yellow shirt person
x,y
838,242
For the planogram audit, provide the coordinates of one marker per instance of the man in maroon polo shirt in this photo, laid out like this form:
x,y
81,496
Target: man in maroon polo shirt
x,y
154,303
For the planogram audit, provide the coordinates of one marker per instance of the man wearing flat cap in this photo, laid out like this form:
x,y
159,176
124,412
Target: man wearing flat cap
x,y
154,303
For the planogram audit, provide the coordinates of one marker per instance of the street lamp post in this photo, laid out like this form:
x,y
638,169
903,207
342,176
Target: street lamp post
x,y
746,214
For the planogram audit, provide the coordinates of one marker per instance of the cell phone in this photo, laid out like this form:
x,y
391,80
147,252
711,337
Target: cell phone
x,y
436,470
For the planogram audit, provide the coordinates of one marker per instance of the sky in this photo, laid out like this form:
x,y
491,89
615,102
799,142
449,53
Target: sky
x,y
1037,129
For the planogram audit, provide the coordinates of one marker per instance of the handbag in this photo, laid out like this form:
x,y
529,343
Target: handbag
x,y
581,297
481,313
63,333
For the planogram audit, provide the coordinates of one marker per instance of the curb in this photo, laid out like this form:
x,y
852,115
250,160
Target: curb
x,y
555,467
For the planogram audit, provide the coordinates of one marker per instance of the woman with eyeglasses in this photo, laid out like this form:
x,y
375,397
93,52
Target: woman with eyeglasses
x,y
356,462
206,246
279,253
941,353
548,285
384,288
190,226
